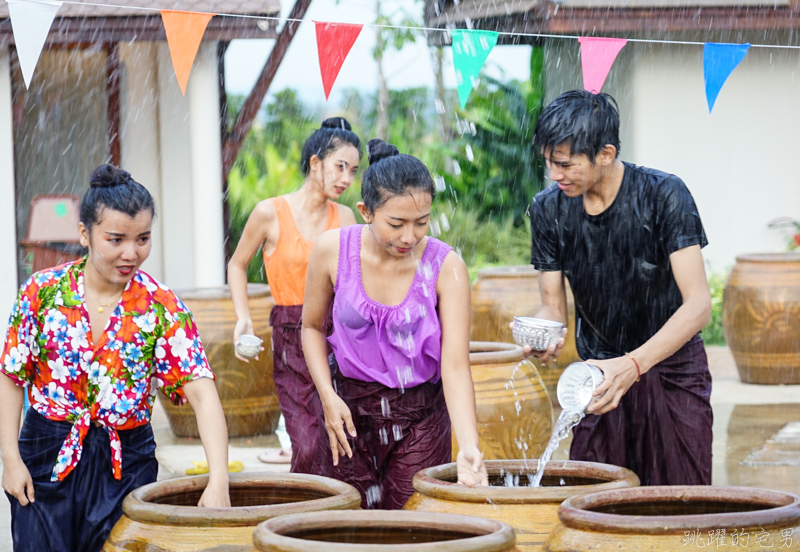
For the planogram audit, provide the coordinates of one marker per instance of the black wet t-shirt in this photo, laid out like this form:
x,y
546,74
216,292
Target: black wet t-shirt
x,y
617,262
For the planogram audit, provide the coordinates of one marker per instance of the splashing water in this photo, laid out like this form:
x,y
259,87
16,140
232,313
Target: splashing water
x,y
566,421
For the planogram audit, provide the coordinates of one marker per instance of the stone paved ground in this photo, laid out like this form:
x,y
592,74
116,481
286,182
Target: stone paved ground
x,y
755,439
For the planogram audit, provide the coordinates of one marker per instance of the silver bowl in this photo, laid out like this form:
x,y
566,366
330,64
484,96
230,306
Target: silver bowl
x,y
249,346
576,386
536,333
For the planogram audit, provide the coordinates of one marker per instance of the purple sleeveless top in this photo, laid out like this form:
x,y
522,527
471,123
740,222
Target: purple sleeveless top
x,y
397,346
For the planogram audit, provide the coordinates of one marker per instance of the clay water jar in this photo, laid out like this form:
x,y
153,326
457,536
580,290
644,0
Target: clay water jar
x,y
515,416
382,530
673,518
164,516
532,511
246,389
501,293
760,313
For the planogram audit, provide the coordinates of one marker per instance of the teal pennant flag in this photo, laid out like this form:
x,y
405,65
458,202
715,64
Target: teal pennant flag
x,y
470,50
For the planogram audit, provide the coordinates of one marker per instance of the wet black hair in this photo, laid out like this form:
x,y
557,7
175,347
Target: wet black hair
x,y
333,133
585,121
113,188
392,173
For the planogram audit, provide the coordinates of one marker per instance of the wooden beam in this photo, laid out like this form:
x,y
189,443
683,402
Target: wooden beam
x,y
233,142
113,110
125,29
707,23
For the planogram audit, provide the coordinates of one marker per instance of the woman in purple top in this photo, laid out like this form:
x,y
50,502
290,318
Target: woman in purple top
x,y
400,366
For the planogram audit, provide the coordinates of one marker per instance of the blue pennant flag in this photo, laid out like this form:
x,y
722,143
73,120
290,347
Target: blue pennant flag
x,y
719,61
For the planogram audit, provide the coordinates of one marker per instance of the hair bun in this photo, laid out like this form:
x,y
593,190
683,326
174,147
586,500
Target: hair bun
x,y
336,122
106,176
377,149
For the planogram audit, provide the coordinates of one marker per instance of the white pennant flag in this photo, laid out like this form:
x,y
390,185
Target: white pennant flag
x,y
31,21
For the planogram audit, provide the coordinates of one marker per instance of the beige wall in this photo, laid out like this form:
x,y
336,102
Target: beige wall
x,y
8,230
171,144
140,134
740,162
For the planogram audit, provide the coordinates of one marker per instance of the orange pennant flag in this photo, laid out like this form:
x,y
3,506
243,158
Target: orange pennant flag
x,y
184,32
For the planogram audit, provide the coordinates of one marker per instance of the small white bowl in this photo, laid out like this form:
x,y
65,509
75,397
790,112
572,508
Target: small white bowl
x,y
536,333
249,346
576,386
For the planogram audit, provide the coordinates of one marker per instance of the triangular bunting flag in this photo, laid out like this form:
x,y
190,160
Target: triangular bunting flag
x,y
184,32
719,61
30,22
597,57
470,50
334,41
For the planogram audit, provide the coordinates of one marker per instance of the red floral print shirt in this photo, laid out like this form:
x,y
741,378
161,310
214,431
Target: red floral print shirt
x,y
149,343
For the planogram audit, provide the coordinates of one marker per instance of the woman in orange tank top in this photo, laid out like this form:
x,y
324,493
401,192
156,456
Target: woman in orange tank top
x,y
286,228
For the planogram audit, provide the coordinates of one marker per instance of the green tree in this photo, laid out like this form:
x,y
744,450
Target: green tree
x,y
496,171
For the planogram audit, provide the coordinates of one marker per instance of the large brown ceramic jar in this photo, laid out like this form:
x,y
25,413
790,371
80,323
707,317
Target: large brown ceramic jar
x,y
378,530
761,316
246,389
677,519
164,516
501,293
515,417
532,511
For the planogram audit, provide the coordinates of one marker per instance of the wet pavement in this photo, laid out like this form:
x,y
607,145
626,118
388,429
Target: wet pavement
x,y
756,438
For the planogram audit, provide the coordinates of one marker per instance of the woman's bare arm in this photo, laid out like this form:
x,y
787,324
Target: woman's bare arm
x,y
453,293
320,282
203,397
253,238
16,478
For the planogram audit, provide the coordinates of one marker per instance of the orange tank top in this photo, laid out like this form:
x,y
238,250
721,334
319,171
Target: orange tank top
x,y
287,265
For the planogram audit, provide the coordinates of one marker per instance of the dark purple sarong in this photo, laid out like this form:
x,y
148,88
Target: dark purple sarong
x,y
297,394
399,432
661,429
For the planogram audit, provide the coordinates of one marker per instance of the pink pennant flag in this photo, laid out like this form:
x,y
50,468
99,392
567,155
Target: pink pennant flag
x,y
597,57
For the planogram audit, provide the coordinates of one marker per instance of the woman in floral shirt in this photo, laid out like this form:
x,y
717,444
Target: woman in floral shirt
x,y
93,341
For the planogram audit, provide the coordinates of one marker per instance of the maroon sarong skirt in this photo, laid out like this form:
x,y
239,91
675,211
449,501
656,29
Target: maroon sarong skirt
x,y
661,429
399,432
297,394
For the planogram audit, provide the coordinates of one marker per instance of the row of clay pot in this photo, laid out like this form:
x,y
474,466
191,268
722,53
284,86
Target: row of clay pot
x,y
762,298
251,406
580,507
515,418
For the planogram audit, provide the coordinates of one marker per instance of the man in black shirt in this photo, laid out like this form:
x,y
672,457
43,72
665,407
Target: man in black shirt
x,y
629,241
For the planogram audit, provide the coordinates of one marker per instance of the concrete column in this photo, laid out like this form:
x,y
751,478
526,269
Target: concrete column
x,y
177,215
8,226
206,152
140,134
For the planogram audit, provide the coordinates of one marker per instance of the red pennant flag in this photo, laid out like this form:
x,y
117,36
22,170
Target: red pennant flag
x,y
334,41
597,57
184,32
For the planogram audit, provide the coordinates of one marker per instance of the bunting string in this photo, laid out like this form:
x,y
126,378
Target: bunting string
x,y
31,21
418,27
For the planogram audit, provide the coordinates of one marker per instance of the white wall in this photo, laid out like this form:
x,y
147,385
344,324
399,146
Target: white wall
x,y
740,162
191,173
140,134
8,229
206,151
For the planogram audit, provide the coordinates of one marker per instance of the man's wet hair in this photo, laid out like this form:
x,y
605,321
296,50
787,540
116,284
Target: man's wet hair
x,y
585,121
392,173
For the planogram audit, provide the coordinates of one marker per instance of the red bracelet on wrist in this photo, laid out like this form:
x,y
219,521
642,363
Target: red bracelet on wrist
x,y
638,370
